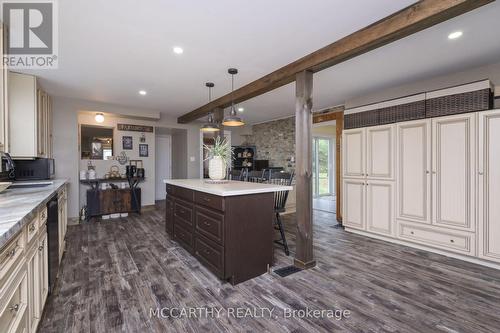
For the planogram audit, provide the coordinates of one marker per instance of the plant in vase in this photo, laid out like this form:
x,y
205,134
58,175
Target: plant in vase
x,y
220,156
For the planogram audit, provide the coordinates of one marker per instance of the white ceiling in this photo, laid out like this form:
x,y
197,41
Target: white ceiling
x,y
111,49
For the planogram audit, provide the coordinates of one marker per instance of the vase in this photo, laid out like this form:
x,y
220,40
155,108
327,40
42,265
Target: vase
x,y
216,168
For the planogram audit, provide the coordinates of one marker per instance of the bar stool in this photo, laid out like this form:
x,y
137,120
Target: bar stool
x,y
280,197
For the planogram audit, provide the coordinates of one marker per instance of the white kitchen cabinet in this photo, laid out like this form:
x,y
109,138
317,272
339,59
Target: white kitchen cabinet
x,y
413,171
43,264
380,207
354,145
14,302
29,118
489,185
33,287
354,203
4,107
453,171
380,152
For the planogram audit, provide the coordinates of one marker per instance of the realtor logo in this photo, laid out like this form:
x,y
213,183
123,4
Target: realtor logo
x,y
32,34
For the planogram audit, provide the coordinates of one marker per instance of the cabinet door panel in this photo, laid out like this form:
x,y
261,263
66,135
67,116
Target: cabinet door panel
x,y
379,207
380,152
489,185
354,153
414,156
354,204
453,141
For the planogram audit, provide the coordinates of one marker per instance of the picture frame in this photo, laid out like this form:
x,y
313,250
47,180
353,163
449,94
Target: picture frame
x,y
127,143
143,150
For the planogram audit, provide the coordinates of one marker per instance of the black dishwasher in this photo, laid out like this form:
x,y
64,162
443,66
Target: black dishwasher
x,y
53,240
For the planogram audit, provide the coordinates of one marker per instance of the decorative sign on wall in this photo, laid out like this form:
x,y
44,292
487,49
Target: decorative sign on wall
x,y
143,150
127,142
135,128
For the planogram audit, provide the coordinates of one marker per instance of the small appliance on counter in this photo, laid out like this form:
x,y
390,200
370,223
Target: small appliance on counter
x,y
35,169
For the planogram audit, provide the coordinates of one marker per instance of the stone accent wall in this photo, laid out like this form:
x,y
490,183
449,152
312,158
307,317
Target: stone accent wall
x,y
275,141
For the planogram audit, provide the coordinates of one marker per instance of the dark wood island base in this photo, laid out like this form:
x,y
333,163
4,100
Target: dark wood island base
x,y
230,235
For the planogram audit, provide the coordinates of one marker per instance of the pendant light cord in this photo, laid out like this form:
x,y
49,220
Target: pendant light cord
x,y
232,91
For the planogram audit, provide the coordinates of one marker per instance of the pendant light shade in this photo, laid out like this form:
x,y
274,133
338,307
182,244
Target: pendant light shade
x,y
232,120
210,126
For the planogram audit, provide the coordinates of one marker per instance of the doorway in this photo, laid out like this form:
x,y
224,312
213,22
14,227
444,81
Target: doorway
x,y
324,196
163,161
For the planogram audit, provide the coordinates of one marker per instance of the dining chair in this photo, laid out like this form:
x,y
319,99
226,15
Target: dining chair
x,y
280,198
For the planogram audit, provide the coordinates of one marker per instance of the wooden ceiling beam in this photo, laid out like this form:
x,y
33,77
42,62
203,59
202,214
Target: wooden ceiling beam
x,y
412,19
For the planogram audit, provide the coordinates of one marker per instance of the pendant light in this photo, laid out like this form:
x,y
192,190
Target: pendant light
x,y
232,119
210,126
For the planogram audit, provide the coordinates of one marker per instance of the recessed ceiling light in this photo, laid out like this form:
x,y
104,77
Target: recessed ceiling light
x,y
241,109
143,92
178,50
455,35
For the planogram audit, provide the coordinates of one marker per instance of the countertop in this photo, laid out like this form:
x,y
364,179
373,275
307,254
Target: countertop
x,y
18,206
230,188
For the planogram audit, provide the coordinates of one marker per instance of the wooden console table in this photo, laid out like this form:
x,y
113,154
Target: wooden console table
x,y
109,201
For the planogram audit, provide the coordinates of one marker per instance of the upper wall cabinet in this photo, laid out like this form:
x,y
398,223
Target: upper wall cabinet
x,y
453,171
4,107
30,118
489,185
369,152
414,164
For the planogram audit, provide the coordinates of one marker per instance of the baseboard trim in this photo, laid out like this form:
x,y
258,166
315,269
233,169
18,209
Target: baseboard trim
x,y
425,248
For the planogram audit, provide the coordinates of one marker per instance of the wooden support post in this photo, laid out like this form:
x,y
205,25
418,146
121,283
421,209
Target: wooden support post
x,y
338,163
304,256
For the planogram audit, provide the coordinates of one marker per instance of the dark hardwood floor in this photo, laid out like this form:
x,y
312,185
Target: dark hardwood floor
x,y
115,271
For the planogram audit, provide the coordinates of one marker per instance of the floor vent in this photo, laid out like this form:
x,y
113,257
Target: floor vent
x,y
288,270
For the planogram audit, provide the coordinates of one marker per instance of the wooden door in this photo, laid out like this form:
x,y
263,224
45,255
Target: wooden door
x,y
489,185
354,203
354,153
453,171
380,207
413,169
380,152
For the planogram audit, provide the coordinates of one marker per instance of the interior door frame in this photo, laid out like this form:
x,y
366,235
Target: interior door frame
x,y
331,165
337,114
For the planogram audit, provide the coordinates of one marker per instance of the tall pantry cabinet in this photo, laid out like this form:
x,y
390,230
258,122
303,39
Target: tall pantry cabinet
x,y
369,179
489,185
4,107
438,188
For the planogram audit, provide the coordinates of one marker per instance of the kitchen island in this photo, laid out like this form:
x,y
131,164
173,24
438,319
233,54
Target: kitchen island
x,y
228,227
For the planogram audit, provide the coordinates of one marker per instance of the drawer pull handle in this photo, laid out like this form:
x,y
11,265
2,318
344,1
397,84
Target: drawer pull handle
x,y
40,248
411,232
452,241
14,307
206,223
207,199
11,253
31,228
207,251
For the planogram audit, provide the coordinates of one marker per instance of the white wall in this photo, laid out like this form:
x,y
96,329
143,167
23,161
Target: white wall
x,y
65,138
163,163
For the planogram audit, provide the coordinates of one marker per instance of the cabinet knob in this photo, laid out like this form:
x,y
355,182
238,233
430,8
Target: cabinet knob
x,y
14,307
481,173
411,232
40,248
427,172
452,241
32,228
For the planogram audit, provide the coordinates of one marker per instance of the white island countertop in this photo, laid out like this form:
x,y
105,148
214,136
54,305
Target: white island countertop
x,y
230,188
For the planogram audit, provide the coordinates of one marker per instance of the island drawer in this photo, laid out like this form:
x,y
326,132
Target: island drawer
x,y
183,193
184,211
209,200
210,224
32,230
184,237
11,256
211,254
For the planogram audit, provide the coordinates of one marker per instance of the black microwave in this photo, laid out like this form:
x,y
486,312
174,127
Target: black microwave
x,y
37,169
